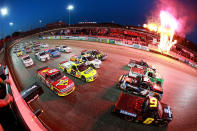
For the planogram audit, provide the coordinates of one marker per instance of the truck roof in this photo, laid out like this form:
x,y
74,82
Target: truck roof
x,y
47,70
138,70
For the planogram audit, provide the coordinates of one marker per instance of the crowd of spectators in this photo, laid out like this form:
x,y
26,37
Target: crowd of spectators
x,y
134,37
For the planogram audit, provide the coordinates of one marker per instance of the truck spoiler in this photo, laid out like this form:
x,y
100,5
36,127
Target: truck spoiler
x,y
42,68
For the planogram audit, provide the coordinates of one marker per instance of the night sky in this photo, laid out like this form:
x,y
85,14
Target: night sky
x,y
25,14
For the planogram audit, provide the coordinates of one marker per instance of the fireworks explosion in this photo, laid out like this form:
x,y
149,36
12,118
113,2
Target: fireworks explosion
x,y
166,28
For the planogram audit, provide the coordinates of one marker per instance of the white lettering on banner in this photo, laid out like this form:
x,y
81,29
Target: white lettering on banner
x,y
128,113
137,46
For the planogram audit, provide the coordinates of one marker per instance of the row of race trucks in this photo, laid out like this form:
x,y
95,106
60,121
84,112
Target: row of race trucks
x,y
144,105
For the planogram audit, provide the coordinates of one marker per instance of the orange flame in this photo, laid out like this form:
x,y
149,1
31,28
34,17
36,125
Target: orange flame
x,y
167,27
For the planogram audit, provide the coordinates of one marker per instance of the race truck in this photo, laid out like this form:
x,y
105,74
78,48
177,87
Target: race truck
x,y
36,48
42,56
138,64
56,81
53,52
79,70
28,50
19,53
140,85
36,45
91,61
149,72
96,54
64,48
75,58
27,61
144,110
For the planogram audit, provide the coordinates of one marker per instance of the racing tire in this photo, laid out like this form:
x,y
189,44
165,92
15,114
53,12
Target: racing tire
x,y
118,85
128,118
54,90
159,83
129,90
91,65
163,123
83,78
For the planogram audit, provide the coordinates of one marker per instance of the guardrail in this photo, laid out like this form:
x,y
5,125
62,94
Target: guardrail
x,y
29,119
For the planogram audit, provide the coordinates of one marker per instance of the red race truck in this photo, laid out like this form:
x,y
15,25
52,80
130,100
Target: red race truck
x,y
56,81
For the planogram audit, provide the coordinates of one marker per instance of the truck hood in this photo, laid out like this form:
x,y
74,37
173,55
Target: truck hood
x,y
62,83
44,56
90,71
96,61
27,61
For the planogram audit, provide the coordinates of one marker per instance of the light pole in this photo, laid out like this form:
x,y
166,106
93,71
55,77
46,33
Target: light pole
x,y
4,12
40,25
70,7
11,24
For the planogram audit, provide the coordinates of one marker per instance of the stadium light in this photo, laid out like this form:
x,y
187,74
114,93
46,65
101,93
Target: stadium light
x,y
69,8
40,25
4,11
40,21
11,24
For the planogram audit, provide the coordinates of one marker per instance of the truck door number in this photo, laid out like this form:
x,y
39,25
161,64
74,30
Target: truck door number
x,y
148,121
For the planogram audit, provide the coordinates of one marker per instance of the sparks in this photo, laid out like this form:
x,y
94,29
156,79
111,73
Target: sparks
x,y
167,27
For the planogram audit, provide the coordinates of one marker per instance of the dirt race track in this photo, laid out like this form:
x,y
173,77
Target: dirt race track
x,y
88,107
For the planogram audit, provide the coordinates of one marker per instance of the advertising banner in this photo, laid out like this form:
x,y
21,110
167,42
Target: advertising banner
x,y
65,37
92,38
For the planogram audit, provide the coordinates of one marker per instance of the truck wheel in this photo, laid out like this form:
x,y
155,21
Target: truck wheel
x,y
128,118
159,83
83,78
118,85
129,90
163,123
54,90
91,65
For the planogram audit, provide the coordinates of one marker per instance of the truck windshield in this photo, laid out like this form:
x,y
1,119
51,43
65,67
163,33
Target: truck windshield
x,y
96,52
64,46
90,58
56,76
82,67
53,50
26,58
42,53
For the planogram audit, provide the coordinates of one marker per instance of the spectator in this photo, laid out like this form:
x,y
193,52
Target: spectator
x,y
5,99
